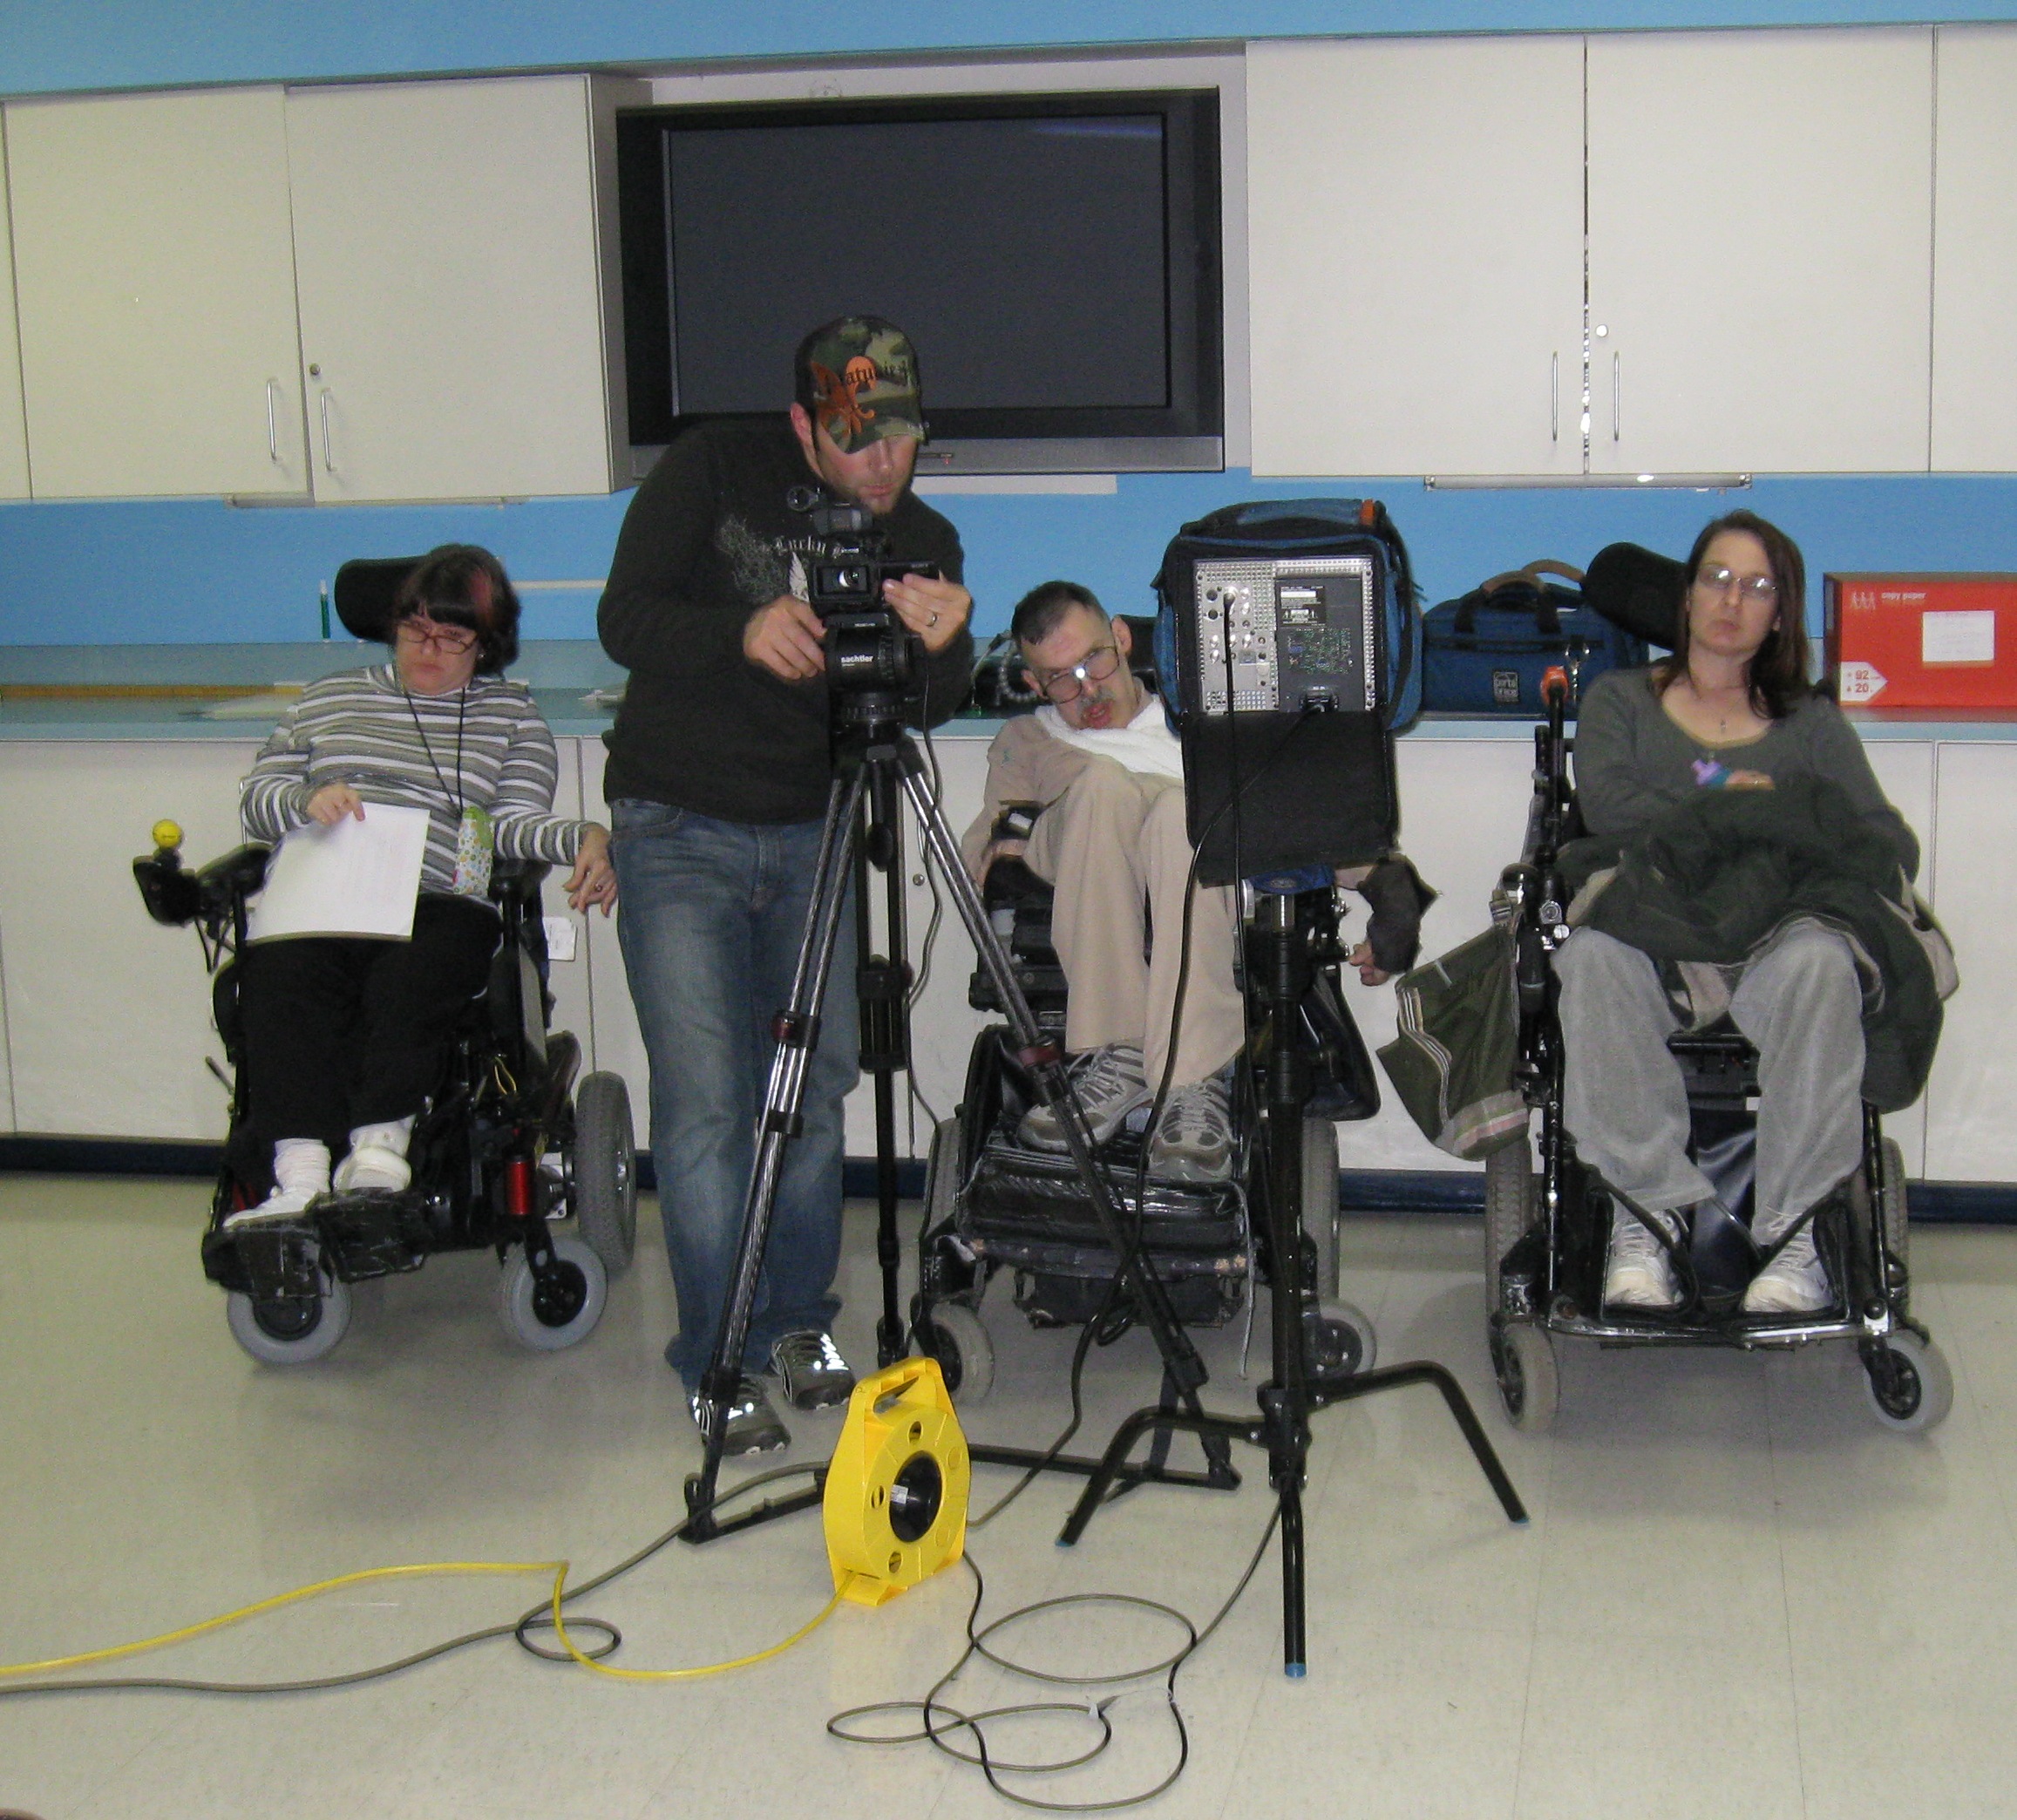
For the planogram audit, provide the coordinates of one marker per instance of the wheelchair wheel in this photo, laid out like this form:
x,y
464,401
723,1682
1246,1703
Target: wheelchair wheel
x,y
569,1308
1512,1195
291,1330
1319,1200
956,1339
1530,1389
1338,1341
605,1170
1907,1382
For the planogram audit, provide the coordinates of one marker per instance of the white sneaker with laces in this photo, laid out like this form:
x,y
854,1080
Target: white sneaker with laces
x,y
1794,1282
1193,1138
1109,1085
1638,1274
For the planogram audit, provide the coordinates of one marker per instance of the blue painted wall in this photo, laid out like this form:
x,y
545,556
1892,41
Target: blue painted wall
x,y
202,571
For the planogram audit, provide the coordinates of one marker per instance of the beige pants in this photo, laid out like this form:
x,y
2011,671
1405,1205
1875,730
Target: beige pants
x,y
1112,842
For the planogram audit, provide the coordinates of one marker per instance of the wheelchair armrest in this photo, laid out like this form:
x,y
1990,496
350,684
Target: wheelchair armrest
x,y
517,880
1011,882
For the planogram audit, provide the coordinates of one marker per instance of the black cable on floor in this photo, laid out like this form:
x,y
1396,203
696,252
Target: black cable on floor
x,y
931,1711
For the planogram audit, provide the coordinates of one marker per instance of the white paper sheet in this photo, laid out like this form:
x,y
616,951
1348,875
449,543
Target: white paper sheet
x,y
358,878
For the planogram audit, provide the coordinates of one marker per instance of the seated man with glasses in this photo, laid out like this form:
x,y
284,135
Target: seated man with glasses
x,y
1099,762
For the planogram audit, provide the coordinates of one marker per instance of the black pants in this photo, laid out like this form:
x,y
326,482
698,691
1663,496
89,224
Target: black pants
x,y
343,1031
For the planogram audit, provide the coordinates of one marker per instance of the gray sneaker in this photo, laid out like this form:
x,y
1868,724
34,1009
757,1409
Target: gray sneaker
x,y
1794,1282
814,1372
1110,1085
1193,1138
1638,1274
753,1424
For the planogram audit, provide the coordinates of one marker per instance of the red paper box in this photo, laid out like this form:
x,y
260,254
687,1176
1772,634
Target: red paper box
x,y
1933,641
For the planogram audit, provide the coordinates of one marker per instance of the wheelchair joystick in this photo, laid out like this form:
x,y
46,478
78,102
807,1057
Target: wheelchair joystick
x,y
167,838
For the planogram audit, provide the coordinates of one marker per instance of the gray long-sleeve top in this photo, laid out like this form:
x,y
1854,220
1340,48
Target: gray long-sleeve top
x,y
1632,761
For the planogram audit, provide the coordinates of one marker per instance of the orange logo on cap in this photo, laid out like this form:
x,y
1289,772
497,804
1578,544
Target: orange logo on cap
x,y
860,373
836,406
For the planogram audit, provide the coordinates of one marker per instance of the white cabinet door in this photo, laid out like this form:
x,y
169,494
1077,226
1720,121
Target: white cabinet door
x,y
155,277
108,1013
1971,1135
1975,251
1414,224
1760,250
13,423
451,289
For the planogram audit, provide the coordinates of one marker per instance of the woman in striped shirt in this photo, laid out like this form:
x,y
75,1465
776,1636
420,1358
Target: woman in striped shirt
x,y
345,1036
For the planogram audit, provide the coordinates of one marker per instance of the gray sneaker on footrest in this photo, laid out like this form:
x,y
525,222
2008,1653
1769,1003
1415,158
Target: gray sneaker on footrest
x,y
1109,1085
813,1369
1193,1138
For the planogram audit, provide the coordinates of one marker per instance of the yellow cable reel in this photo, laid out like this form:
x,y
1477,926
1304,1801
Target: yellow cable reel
x,y
896,1488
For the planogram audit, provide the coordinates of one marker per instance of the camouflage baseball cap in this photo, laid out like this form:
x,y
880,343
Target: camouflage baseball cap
x,y
858,377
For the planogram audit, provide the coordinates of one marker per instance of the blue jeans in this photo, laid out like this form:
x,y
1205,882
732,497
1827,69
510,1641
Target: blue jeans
x,y
710,918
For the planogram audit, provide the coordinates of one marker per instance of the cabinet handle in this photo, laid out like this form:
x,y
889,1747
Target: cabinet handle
x,y
1555,398
327,463
272,421
1617,394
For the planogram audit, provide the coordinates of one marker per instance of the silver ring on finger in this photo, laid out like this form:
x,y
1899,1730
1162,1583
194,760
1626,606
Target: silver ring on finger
x,y
932,621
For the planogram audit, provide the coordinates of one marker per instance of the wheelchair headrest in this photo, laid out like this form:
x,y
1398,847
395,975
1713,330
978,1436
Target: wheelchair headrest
x,y
364,591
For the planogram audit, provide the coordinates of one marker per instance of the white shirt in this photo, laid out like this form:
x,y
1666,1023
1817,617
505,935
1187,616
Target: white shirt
x,y
1145,744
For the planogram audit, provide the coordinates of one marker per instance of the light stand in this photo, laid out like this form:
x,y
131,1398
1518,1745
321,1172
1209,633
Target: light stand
x,y
1279,969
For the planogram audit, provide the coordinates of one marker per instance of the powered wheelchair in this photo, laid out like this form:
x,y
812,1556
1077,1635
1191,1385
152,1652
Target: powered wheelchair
x,y
995,1207
1547,1230
506,1148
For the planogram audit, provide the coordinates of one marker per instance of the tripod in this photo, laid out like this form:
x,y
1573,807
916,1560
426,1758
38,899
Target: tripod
x,y
1279,958
875,758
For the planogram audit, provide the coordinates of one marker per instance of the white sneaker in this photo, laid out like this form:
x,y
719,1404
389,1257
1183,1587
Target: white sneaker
x,y
277,1209
372,1166
1109,1085
300,1173
1638,1274
1793,1283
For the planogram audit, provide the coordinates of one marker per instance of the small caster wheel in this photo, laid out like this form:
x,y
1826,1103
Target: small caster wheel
x,y
1338,1341
562,1311
291,1329
953,1336
1907,1382
1522,1360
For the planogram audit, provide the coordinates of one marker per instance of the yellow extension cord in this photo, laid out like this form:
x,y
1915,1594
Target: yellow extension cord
x,y
558,1569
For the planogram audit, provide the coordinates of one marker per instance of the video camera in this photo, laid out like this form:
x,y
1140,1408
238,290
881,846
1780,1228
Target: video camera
x,y
869,649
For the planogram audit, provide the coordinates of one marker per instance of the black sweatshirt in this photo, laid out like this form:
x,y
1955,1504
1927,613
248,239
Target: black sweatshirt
x,y
707,540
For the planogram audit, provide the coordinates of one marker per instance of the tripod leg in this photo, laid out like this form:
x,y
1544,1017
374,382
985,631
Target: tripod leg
x,y
883,982
798,1030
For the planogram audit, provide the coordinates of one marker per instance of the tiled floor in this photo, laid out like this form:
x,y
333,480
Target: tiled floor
x,y
1738,1595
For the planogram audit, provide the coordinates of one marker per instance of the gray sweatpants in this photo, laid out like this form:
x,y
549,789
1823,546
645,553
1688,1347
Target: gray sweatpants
x,y
1800,1001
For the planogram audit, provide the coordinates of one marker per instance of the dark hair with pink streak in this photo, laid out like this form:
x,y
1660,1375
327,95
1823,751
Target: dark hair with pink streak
x,y
463,584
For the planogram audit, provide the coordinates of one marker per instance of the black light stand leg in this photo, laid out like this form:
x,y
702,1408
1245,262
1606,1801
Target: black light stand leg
x,y
797,1031
1279,969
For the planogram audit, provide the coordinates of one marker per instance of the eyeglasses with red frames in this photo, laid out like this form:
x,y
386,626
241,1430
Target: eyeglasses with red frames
x,y
422,634
1062,686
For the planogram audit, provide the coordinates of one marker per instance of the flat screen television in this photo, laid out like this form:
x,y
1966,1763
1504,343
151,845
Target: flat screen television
x,y
1054,259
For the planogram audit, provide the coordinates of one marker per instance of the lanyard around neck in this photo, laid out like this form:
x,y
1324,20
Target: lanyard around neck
x,y
458,797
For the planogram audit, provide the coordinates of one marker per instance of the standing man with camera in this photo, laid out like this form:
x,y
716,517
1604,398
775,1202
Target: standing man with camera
x,y
718,782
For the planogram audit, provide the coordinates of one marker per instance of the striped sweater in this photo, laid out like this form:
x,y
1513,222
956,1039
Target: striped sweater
x,y
356,728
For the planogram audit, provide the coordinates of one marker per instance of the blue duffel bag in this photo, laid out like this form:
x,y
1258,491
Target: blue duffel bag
x,y
1486,652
